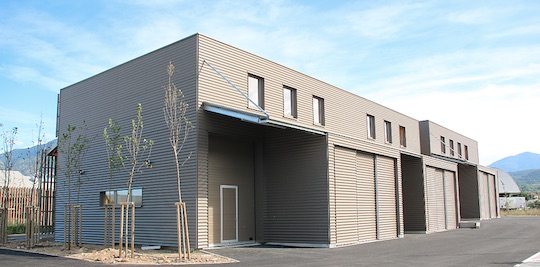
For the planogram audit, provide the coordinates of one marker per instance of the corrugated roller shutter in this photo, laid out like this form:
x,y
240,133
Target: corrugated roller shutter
x,y
483,195
431,199
492,196
450,199
386,197
346,196
367,224
441,209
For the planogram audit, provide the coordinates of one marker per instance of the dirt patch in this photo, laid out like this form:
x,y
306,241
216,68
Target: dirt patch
x,y
96,253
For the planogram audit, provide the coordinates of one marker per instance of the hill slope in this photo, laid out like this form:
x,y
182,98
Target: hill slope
x,y
520,162
21,160
527,180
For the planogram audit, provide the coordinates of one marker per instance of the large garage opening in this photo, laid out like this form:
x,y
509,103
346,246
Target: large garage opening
x,y
265,184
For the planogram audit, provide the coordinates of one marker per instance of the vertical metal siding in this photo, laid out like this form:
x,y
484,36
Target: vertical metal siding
x,y
469,191
386,198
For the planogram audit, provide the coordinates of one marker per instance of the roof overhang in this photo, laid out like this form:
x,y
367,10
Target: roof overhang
x,y
256,118
458,161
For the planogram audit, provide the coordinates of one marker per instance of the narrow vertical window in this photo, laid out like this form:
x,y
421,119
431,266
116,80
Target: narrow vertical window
x,y
466,148
402,137
388,132
459,150
255,91
289,102
371,126
451,147
318,110
443,145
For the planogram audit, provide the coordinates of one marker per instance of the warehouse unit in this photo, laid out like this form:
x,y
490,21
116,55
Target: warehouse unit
x,y
276,156
477,184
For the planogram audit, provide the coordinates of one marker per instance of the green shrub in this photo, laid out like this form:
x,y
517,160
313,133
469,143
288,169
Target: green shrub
x,y
19,228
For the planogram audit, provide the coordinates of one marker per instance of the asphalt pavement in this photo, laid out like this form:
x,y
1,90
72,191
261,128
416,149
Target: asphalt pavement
x,y
508,241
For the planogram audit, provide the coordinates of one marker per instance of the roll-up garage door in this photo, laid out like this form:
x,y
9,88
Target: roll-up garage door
x,y
492,196
367,224
484,197
346,202
450,199
386,197
435,200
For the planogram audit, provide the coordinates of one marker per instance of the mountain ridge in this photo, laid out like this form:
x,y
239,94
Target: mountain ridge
x,y
520,162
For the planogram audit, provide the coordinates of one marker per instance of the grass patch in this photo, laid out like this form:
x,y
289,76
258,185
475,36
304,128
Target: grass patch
x,y
19,228
525,212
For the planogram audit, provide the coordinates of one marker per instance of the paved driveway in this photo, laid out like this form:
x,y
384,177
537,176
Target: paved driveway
x,y
501,242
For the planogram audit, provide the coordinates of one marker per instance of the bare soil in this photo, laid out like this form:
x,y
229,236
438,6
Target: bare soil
x,y
96,253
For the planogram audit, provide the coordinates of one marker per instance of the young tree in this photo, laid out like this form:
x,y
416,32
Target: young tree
x,y
115,160
8,139
175,110
136,147
72,146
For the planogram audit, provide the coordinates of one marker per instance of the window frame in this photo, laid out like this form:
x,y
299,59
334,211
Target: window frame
x,y
466,150
443,144
402,136
459,150
388,132
371,129
259,92
293,102
105,197
452,147
318,111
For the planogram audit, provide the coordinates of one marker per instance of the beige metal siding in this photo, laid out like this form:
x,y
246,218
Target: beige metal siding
x,y
484,195
367,224
493,196
344,112
386,198
231,162
450,200
430,134
347,213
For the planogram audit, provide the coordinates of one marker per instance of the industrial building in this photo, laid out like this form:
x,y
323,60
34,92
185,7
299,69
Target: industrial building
x,y
276,156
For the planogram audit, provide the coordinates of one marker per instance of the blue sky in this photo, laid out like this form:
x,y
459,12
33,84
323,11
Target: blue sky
x,y
471,66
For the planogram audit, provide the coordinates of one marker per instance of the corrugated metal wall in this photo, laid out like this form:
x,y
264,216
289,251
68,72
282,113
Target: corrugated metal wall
x,y
115,94
295,171
231,162
468,191
414,207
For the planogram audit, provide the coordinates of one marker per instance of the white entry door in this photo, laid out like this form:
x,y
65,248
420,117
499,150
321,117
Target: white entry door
x,y
229,213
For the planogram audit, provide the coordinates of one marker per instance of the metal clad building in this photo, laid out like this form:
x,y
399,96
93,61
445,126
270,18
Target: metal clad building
x,y
300,162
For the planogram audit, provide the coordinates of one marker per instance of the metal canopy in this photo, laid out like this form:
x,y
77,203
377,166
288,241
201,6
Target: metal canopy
x,y
261,119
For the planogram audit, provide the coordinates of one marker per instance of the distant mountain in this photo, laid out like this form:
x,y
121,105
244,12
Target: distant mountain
x,y
520,162
527,180
22,158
